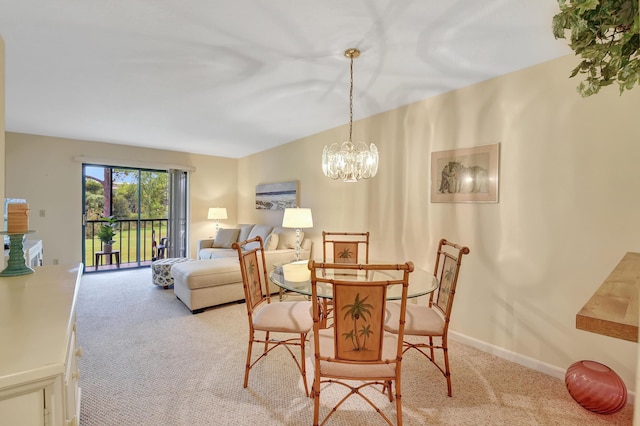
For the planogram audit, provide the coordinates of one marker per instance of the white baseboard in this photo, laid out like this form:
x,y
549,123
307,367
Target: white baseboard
x,y
523,360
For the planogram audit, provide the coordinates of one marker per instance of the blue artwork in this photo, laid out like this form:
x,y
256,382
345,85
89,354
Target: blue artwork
x,y
277,196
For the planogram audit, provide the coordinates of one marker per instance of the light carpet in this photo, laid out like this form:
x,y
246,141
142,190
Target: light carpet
x,y
148,361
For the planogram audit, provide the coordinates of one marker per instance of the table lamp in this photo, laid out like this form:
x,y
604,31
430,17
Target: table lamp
x,y
297,218
217,213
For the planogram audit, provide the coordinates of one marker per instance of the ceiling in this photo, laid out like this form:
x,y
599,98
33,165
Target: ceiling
x,y
232,78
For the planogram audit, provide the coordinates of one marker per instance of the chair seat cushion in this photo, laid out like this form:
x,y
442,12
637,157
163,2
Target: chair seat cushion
x,y
287,317
420,320
355,371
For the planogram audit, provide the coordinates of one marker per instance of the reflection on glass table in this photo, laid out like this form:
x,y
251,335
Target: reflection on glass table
x,y
296,277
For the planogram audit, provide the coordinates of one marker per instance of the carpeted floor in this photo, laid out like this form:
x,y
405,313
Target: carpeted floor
x,y
148,361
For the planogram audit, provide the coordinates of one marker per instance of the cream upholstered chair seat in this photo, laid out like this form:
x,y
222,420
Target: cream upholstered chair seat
x,y
420,320
286,317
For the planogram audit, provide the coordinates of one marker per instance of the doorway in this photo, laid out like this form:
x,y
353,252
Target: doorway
x,y
137,205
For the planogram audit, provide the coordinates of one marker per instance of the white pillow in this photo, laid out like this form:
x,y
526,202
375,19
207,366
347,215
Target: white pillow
x,y
287,239
258,230
244,228
225,237
272,242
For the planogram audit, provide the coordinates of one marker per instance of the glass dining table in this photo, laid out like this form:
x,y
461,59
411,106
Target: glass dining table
x,y
296,277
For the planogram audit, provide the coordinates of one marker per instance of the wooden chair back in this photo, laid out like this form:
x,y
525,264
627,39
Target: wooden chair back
x,y
344,247
254,273
358,321
359,308
447,268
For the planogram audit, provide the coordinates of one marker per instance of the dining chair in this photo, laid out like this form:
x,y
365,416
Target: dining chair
x,y
292,319
343,247
432,321
356,352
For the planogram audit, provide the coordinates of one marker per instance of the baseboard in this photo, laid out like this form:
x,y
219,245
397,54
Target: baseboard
x,y
526,361
523,360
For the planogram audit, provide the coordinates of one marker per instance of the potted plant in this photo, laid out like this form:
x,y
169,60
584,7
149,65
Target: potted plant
x,y
106,233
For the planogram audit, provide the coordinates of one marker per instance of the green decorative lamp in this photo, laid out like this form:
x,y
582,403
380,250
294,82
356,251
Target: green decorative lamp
x,y
16,265
17,227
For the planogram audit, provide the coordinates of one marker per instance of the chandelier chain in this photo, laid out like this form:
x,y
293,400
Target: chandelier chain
x,y
351,101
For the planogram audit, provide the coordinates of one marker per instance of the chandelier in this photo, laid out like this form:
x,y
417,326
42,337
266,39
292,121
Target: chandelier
x,y
348,161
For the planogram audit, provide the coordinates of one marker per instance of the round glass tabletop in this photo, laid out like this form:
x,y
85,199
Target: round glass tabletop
x,y
296,277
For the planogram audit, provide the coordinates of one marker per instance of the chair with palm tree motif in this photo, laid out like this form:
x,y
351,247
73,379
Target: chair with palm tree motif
x,y
357,353
432,321
344,247
292,320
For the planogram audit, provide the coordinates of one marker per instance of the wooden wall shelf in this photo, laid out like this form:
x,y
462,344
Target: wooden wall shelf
x,y
613,308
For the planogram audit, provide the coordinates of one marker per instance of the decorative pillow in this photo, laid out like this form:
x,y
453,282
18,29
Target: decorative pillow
x,y
287,239
258,230
244,228
272,242
225,237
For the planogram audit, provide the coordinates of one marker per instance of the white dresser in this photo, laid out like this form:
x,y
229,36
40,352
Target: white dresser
x,y
38,353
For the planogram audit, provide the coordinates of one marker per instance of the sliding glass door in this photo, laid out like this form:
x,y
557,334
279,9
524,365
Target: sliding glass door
x,y
145,210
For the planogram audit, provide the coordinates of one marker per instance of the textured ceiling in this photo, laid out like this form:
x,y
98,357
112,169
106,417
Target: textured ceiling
x,y
231,78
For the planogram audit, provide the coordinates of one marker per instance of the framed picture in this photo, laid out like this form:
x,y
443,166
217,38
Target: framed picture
x,y
277,196
468,175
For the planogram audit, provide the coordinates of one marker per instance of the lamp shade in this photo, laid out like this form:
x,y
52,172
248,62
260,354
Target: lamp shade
x,y
297,218
217,213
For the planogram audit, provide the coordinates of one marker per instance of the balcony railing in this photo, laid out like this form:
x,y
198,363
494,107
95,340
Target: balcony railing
x,y
128,233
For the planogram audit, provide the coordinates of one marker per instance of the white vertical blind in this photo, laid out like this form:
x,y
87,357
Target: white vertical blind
x,y
177,213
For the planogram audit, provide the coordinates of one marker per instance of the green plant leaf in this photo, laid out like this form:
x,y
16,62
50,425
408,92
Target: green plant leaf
x,y
605,34
559,23
582,6
576,70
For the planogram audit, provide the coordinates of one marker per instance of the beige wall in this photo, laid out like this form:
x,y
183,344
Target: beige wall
x,y
44,171
568,210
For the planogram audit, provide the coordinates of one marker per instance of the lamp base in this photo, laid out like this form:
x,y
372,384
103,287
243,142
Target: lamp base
x,y
16,265
297,244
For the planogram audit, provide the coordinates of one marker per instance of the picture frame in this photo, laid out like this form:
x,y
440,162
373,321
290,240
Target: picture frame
x,y
277,196
466,175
